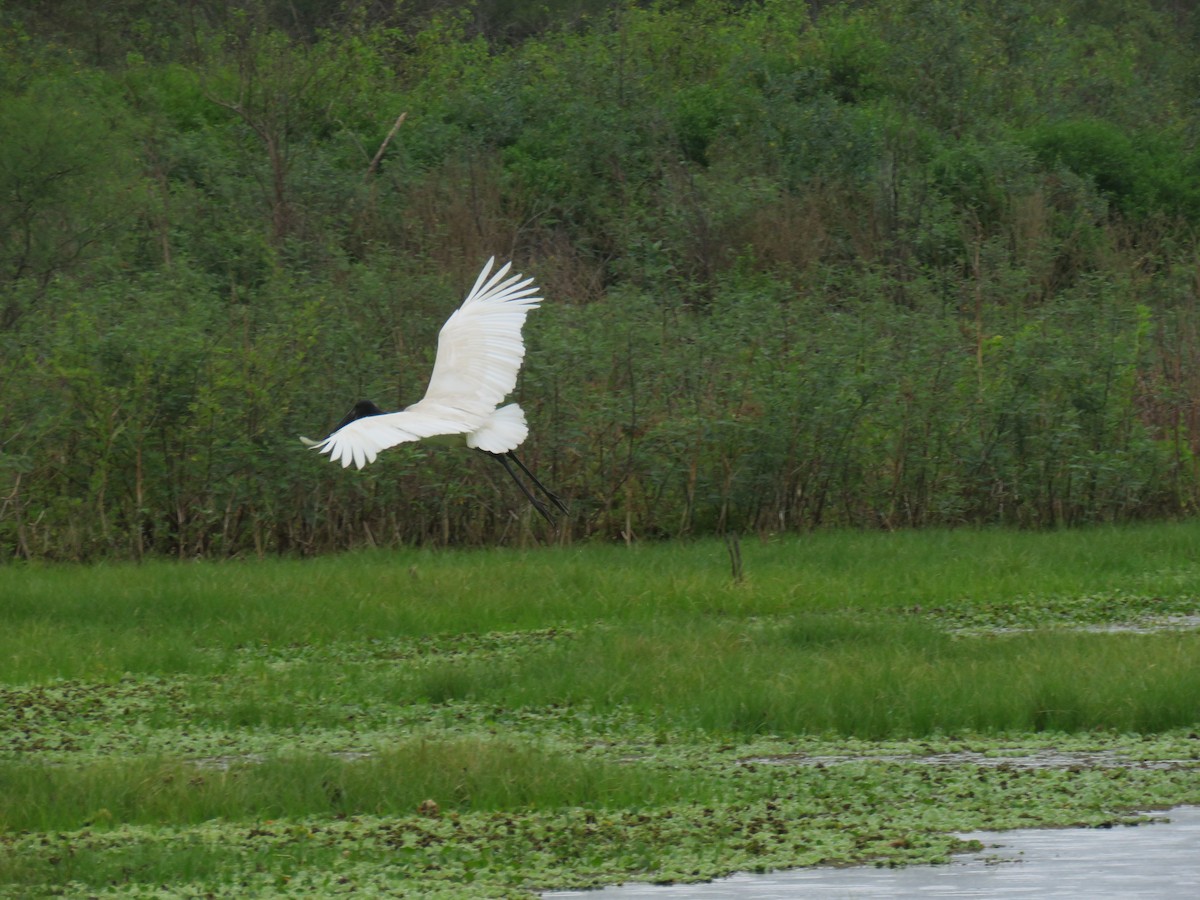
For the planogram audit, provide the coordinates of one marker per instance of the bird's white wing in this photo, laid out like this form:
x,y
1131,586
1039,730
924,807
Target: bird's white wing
x,y
478,357
360,441
480,348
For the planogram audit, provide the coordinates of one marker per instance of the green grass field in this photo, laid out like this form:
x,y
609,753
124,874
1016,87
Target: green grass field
x,y
491,723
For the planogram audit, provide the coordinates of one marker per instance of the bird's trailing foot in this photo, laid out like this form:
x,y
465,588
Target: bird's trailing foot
x,y
503,459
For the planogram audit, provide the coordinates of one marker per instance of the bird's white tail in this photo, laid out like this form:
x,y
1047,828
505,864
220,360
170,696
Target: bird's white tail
x,y
505,430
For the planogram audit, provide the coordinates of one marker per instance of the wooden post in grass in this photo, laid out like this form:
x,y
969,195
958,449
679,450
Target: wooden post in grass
x,y
734,545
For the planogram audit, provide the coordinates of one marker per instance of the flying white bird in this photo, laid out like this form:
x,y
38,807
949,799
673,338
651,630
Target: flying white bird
x,y
478,356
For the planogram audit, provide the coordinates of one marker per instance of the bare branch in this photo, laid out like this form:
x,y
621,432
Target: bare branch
x,y
387,140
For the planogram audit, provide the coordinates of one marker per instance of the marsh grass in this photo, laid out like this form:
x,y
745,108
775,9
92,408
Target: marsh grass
x,y
875,678
433,775
99,622
153,718
839,674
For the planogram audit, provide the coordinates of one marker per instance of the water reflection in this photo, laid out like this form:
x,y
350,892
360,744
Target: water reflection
x,y
1146,861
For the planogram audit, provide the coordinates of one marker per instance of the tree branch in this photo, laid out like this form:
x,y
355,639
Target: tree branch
x,y
387,140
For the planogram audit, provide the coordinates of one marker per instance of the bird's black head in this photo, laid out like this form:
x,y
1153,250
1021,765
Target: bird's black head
x,y
364,408
361,410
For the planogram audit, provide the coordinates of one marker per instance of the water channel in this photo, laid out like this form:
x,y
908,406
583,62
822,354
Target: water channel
x,y
1159,861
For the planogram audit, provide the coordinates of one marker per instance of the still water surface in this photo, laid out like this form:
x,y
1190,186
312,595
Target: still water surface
x,y
1147,862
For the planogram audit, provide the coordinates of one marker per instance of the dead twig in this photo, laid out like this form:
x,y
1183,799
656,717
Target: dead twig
x,y
382,147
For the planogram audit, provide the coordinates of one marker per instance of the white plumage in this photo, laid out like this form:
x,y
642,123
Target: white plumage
x,y
479,354
478,357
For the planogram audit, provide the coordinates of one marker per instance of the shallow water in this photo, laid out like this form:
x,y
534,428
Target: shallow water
x,y
1160,860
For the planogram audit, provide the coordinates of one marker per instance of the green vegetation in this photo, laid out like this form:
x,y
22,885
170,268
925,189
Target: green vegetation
x,y
488,723
921,269
467,774
906,264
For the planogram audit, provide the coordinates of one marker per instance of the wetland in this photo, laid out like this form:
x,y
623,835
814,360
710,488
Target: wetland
x,y
503,723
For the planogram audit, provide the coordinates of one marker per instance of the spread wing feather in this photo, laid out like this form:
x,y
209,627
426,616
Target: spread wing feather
x,y
360,441
478,357
480,348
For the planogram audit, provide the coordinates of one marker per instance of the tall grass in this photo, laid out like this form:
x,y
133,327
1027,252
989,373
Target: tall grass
x,y
823,674
75,621
455,774
892,679
835,632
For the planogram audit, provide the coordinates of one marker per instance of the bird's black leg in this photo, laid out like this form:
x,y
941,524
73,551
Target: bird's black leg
x,y
545,490
537,504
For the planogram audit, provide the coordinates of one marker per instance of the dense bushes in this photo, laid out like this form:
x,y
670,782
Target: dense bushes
x,y
881,265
